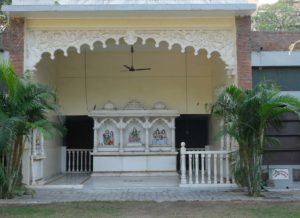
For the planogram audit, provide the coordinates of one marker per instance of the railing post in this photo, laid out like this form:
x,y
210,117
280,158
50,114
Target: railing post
x,y
63,162
182,163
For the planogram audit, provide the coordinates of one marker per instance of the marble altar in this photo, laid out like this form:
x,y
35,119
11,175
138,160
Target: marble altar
x,y
134,138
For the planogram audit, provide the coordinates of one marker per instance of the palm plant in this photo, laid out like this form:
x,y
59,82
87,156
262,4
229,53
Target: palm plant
x,y
247,115
24,106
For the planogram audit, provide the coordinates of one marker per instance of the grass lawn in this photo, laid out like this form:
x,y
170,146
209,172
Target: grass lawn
x,y
153,209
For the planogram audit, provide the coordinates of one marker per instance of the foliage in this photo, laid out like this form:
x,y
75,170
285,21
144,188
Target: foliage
x,y
3,18
24,106
248,114
281,16
293,45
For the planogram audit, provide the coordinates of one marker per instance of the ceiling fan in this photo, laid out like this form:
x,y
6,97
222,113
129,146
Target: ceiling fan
x,y
132,68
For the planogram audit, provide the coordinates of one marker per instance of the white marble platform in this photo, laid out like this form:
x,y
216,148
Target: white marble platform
x,y
120,181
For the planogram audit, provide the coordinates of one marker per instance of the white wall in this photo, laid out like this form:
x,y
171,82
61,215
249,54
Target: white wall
x,y
46,73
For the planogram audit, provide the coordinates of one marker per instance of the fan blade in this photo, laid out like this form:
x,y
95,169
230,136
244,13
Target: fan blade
x,y
127,67
139,69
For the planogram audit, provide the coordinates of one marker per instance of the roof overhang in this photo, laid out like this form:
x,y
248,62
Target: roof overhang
x,y
129,10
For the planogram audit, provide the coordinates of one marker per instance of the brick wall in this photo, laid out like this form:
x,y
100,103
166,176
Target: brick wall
x,y
274,41
243,46
12,40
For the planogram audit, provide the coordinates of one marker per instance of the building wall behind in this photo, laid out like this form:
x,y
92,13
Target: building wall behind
x,y
273,41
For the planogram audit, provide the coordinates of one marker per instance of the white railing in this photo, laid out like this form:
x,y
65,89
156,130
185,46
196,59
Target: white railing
x,y
79,160
205,168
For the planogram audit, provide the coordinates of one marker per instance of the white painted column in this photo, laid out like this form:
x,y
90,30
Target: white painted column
x,y
173,133
95,136
227,142
63,163
121,126
42,151
147,134
182,163
33,144
33,182
222,142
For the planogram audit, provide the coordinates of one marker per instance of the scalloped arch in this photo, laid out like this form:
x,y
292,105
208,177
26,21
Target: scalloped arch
x,y
133,120
99,124
160,119
222,41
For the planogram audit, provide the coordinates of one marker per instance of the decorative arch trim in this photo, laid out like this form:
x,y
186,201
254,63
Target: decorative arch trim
x,y
222,41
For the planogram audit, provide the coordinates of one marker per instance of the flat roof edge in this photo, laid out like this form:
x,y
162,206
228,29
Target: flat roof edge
x,y
10,9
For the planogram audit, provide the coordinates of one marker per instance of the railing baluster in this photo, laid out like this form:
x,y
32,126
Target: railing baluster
x,y
227,168
90,157
202,168
69,161
81,161
196,168
78,160
190,169
208,169
221,169
85,160
215,168
73,162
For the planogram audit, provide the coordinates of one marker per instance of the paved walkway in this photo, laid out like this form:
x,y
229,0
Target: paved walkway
x,y
85,188
159,195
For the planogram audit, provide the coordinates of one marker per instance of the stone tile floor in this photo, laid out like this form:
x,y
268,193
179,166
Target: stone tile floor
x,y
122,188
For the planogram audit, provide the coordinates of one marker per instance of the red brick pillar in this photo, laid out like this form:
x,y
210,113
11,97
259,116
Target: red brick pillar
x,y
243,46
12,40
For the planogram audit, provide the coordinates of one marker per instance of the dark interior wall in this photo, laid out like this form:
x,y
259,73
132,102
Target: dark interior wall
x,y
80,132
193,130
